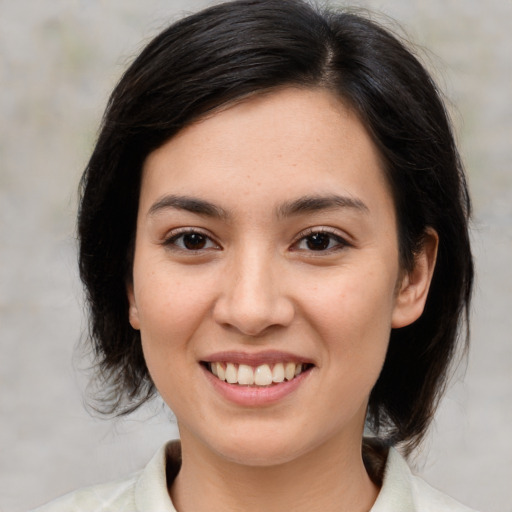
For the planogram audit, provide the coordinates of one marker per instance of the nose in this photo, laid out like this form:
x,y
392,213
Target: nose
x,y
253,296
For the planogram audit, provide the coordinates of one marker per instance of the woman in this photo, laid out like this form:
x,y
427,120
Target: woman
x,y
274,237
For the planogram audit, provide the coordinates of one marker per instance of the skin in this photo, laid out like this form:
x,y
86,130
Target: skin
x,y
255,284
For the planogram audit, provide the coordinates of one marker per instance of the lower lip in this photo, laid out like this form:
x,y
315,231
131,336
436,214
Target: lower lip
x,y
253,396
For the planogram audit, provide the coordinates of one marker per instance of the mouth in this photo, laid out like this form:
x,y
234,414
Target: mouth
x,y
263,375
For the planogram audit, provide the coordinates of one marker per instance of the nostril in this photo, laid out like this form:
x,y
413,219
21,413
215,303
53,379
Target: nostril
x,y
252,317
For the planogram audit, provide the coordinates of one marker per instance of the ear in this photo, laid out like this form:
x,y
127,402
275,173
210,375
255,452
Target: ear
x,y
413,290
133,312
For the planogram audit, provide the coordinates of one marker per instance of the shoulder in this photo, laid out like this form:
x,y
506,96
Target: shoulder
x,y
402,491
429,499
110,497
145,491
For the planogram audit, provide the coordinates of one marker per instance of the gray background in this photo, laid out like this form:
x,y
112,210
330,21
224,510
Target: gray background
x,y
58,61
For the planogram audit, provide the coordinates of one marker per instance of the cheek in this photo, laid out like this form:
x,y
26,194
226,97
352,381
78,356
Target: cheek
x,y
350,301
352,313
172,307
170,310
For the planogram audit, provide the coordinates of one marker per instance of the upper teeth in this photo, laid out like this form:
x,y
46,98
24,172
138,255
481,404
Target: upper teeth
x,y
262,375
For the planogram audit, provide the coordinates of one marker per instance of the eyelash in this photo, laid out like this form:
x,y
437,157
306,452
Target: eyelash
x,y
339,242
334,241
172,240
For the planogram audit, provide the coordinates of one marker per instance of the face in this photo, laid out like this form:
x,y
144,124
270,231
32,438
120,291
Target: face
x,y
266,277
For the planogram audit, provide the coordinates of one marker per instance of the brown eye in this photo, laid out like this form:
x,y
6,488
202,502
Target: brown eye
x,y
194,241
321,241
191,241
318,241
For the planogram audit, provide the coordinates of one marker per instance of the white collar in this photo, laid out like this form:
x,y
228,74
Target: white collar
x,y
401,491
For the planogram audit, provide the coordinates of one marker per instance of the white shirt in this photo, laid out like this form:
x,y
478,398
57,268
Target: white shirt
x,y
146,491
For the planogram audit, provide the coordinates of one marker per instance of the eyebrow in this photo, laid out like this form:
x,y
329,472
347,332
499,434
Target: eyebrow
x,y
189,204
305,204
310,204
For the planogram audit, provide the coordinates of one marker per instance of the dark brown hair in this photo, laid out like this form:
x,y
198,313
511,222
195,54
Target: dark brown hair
x,y
235,49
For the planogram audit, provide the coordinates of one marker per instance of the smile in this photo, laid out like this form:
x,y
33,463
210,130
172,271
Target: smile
x,y
263,375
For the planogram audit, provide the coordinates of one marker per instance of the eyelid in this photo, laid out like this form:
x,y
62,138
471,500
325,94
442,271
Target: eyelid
x,y
172,235
335,233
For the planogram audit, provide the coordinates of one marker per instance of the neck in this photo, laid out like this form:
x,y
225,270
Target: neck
x,y
326,479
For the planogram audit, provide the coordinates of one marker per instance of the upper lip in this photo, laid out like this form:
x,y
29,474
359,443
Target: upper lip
x,y
257,358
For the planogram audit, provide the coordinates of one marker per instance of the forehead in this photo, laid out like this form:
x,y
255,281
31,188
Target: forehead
x,y
292,142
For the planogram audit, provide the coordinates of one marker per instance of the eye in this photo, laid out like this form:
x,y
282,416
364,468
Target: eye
x,y
320,240
190,240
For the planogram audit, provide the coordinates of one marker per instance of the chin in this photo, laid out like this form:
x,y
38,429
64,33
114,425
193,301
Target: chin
x,y
261,455
264,448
